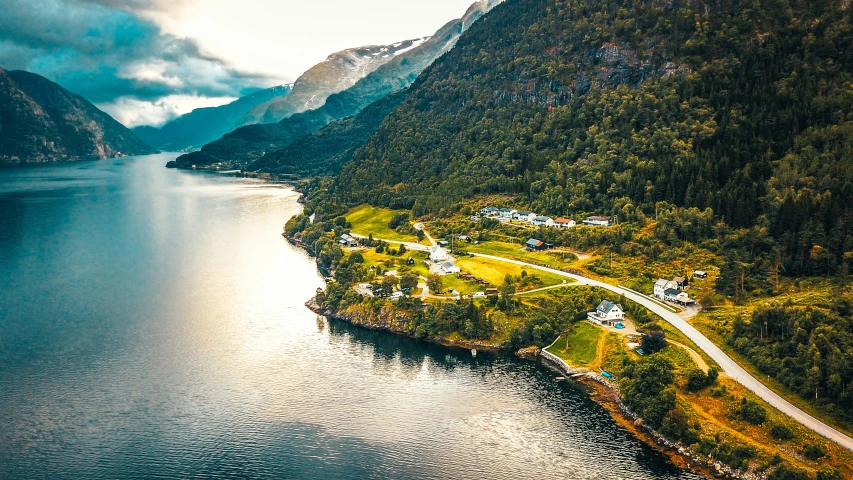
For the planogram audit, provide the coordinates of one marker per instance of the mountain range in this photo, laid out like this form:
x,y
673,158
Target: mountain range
x,y
42,122
204,125
250,143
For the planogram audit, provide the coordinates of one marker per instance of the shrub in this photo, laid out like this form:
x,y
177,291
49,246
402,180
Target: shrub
x,y
813,452
827,473
752,412
784,472
653,342
780,431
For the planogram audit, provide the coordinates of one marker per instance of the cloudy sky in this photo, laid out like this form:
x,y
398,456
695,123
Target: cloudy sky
x,y
147,61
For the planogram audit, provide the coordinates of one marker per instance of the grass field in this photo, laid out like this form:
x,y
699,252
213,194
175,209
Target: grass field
x,y
582,345
555,259
366,220
495,271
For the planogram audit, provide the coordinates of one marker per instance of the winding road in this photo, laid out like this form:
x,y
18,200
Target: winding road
x,y
729,366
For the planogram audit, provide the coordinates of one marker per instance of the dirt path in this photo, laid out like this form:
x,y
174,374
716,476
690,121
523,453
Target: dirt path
x,y
700,362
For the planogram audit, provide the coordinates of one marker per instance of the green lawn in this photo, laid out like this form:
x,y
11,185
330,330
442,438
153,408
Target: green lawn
x,y
366,220
552,258
583,345
495,271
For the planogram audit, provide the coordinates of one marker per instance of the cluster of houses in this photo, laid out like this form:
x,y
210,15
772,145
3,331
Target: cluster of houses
x,y
673,291
507,214
439,255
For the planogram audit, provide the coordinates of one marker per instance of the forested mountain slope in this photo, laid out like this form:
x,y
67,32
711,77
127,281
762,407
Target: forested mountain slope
x,y
325,151
742,107
42,122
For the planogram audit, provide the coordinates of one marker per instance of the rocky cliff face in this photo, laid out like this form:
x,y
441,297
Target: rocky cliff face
x,y
42,122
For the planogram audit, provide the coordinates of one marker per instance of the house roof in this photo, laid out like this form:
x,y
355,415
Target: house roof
x,y
597,218
563,220
506,209
533,242
542,219
606,306
670,291
679,279
447,265
661,282
699,272
525,213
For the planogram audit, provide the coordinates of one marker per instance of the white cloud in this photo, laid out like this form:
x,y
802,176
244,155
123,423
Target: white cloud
x,y
282,39
132,112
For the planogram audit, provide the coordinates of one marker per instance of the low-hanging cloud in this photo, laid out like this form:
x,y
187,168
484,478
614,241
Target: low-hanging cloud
x,y
110,54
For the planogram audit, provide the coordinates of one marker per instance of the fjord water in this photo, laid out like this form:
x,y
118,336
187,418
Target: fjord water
x,y
152,326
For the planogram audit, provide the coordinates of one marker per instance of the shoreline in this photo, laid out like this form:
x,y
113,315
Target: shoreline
x,y
602,391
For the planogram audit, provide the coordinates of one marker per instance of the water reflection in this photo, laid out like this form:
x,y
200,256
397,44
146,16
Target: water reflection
x,y
155,328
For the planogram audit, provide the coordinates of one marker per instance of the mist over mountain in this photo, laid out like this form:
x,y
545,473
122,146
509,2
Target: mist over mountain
x,y
42,122
203,125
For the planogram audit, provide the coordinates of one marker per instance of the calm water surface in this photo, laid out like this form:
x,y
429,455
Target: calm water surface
x,y
152,326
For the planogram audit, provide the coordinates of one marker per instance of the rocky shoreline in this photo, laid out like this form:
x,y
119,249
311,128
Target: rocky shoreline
x,y
603,391
606,394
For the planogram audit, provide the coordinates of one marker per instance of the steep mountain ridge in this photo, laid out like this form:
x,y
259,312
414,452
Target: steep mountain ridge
x,y
338,72
42,122
204,125
250,143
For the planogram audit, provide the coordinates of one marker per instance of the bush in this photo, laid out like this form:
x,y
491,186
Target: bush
x,y
814,452
653,342
827,473
696,380
784,472
752,412
781,432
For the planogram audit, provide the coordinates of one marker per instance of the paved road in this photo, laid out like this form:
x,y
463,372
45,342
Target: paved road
x,y
725,362
729,366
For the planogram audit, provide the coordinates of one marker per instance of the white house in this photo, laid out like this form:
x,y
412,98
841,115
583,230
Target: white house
x,y
524,216
564,223
506,213
543,221
607,314
488,211
662,285
596,221
448,268
438,254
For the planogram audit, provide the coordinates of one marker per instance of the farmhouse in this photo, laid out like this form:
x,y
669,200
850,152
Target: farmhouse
x,y
506,213
347,240
662,285
535,245
438,254
596,221
564,223
607,314
524,216
543,221
448,268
